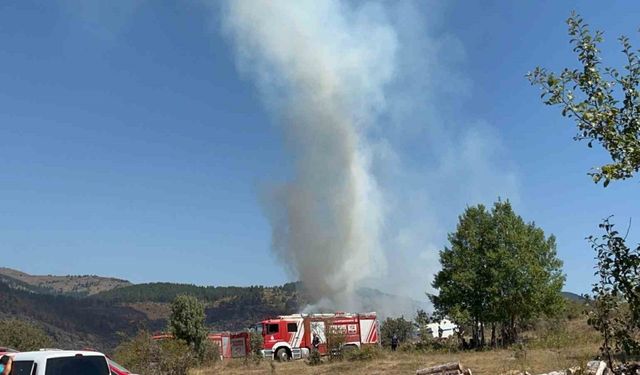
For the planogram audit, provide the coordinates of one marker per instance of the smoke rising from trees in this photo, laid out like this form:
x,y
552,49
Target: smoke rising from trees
x,y
357,87
322,68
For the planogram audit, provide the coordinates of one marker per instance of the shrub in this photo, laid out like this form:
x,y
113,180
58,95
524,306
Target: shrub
x,y
176,357
255,346
139,354
144,355
365,353
407,347
400,327
22,335
314,358
210,353
336,338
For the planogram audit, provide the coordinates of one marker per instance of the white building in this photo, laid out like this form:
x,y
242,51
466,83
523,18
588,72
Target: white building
x,y
444,328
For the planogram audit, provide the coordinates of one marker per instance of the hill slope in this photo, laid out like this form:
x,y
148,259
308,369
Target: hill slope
x,y
74,322
227,308
84,285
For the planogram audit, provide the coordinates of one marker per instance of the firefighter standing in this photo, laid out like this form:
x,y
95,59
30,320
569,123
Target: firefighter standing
x,y
394,343
316,341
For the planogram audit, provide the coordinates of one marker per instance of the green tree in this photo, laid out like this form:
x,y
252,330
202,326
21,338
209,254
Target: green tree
x,y
399,327
497,271
603,101
616,313
22,335
187,321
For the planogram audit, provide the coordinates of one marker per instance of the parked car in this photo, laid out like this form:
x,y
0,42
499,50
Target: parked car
x,y
60,362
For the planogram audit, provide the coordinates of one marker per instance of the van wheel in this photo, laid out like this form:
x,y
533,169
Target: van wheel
x,y
282,355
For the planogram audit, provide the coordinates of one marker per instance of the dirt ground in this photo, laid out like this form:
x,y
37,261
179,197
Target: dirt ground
x,y
484,363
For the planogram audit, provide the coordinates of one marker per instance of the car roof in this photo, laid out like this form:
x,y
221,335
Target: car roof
x,y
46,354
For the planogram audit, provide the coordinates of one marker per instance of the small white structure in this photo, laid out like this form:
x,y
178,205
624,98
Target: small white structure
x,y
445,328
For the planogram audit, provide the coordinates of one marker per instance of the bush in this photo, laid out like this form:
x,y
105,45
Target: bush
x,y
176,357
23,336
400,327
210,353
255,346
314,358
407,347
336,338
144,355
139,354
365,353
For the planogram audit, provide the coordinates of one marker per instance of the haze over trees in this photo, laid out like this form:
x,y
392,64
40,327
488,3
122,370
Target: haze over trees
x,y
498,273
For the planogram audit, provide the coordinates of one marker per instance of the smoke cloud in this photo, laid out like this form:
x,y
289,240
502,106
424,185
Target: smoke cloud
x,y
322,67
383,162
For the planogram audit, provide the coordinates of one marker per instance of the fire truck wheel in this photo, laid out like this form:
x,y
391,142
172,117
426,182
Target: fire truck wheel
x,y
282,355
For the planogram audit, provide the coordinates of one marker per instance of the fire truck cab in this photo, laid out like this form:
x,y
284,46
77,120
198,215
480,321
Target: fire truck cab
x,y
290,336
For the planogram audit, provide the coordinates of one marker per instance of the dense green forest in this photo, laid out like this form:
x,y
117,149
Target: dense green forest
x,y
167,292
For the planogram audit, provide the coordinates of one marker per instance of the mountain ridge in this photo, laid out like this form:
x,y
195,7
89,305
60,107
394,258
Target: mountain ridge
x,y
71,285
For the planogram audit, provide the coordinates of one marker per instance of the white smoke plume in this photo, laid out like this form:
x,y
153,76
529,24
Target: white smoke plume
x,y
322,66
360,89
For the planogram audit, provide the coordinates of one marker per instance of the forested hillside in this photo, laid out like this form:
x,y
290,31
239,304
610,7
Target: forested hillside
x,y
227,308
74,322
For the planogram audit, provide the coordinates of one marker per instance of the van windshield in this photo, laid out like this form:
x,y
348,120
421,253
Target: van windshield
x,y
80,365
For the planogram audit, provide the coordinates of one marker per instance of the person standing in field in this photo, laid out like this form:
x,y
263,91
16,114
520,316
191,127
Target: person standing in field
x,y
394,343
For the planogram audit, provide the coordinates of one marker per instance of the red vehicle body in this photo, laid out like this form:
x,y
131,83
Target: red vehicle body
x,y
4,350
290,336
117,369
232,345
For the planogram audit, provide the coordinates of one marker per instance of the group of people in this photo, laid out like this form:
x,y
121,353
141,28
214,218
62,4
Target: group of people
x,y
5,365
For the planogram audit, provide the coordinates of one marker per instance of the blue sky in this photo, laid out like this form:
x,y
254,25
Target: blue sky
x,y
131,146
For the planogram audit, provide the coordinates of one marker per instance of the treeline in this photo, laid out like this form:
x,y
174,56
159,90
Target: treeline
x,y
167,292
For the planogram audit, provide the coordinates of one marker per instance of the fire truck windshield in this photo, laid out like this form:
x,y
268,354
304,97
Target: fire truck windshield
x,y
257,328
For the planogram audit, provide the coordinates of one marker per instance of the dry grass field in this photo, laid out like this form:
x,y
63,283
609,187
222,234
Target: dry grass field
x,y
547,349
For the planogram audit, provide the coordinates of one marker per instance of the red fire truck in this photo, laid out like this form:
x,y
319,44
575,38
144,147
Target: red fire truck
x,y
290,336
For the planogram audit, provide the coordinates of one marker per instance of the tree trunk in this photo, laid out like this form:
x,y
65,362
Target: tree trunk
x,y
453,367
482,335
493,335
513,334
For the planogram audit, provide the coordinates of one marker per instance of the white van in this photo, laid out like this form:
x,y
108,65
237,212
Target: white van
x,y
59,362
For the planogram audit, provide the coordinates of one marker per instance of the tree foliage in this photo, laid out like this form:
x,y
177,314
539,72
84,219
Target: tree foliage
x,y
616,313
603,101
186,321
399,326
497,271
22,335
